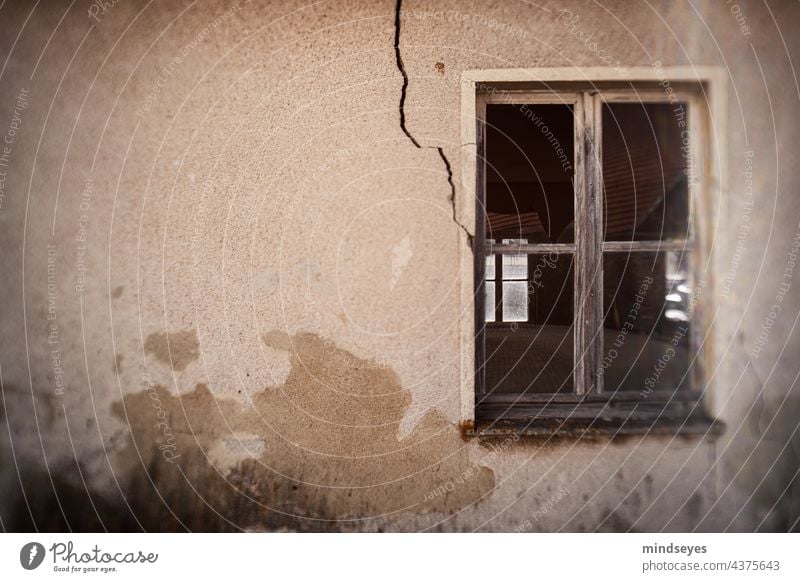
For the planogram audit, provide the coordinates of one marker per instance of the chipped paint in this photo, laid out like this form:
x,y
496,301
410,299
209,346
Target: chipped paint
x,y
177,349
325,446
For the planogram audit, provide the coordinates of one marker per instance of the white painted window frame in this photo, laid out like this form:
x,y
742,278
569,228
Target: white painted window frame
x,y
707,109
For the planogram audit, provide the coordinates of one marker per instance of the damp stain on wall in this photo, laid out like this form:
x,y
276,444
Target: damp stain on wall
x,y
177,349
328,450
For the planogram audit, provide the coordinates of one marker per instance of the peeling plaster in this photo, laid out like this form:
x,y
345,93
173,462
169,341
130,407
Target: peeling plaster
x,y
323,447
177,349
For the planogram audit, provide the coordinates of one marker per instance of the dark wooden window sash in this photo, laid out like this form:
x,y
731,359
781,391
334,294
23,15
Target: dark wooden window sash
x,y
589,402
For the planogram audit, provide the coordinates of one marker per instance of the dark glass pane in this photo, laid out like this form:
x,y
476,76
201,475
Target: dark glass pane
x,y
645,171
648,305
529,168
531,350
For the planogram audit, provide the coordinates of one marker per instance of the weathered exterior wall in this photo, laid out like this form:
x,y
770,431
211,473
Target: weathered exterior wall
x,y
230,279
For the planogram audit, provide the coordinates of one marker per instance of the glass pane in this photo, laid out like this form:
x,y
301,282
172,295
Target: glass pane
x,y
515,265
645,171
648,304
515,300
532,349
529,169
489,298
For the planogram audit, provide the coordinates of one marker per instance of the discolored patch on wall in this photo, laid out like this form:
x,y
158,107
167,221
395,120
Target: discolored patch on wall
x,y
117,292
228,452
614,521
24,403
773,448
328,450
177,349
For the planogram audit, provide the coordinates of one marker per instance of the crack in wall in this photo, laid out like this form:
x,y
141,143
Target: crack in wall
x,y
403,95
400,67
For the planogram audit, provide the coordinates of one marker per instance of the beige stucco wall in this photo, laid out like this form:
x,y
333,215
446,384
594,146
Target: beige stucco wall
x,y
249,314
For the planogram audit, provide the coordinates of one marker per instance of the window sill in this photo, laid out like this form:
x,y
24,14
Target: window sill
x,y
696,426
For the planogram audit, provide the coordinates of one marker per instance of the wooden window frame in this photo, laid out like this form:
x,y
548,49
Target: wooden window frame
x,y
587,90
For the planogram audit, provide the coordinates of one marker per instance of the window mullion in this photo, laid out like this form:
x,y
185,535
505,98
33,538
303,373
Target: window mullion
x,y
588,240
597,241
498,287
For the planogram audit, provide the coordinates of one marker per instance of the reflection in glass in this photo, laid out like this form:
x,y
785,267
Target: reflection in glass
x,y
645,171
489,298
531,349
529,169
679,295
515,301
515,286
515,265
648,306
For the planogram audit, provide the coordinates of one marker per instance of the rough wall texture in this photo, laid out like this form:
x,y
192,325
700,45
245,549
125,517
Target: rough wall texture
x,y
230,274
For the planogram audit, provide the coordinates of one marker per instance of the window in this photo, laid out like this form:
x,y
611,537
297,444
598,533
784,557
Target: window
x,y
589,243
